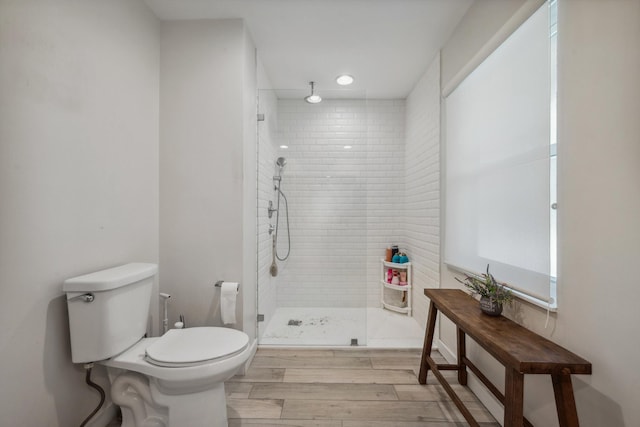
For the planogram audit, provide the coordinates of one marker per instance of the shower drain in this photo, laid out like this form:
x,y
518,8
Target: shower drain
x,y
293,322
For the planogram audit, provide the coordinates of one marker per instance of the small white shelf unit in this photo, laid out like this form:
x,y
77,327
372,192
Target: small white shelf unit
x,y
406,289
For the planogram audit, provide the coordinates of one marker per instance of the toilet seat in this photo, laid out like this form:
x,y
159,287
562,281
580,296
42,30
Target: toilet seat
x,y
195,346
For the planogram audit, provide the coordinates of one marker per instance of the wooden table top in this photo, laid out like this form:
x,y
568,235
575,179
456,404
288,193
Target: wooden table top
x,y
511,344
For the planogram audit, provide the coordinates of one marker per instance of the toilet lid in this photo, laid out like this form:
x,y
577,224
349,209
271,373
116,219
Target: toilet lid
x,y
192,346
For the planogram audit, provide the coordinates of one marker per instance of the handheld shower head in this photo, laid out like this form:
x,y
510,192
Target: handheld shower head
x,y
280,162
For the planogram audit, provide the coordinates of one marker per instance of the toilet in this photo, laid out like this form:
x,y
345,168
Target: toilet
x,y
176,380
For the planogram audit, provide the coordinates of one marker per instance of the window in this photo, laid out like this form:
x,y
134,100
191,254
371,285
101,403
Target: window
x,y
500,163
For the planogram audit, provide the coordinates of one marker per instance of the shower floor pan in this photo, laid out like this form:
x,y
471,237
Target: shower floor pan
x,y
331,327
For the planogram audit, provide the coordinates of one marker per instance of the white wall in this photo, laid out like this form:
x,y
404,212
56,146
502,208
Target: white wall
x,y
207,68
249,292
421,207
481,22
599,240
599,207
78,182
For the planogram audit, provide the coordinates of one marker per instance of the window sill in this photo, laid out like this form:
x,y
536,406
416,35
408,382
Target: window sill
x,y
550,306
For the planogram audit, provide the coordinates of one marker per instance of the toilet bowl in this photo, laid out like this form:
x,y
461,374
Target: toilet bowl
x,y
176,380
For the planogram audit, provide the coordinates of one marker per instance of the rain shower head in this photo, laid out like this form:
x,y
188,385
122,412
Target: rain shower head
x,y
313,98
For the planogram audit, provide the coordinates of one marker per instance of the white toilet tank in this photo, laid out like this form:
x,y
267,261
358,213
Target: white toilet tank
x,y
108,310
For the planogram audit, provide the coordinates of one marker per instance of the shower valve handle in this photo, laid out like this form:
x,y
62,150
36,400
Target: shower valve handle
x,y
271,209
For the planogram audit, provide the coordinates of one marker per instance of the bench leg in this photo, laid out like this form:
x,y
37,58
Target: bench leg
x,y
462,353
513,398
565,402
428,343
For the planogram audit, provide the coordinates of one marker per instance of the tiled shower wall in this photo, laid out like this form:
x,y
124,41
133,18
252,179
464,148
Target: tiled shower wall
x,y
385,187
345,204
422,186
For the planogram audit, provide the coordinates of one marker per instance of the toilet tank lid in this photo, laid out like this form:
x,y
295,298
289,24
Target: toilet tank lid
x,y
110,278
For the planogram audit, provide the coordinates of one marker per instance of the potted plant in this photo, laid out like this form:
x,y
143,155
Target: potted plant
x,y
492,293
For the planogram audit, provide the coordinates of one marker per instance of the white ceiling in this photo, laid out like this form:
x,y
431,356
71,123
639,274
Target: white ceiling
x,y
385,44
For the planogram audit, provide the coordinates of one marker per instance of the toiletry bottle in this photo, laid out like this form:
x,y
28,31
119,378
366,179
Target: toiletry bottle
x,y
403,277
394,250
396,279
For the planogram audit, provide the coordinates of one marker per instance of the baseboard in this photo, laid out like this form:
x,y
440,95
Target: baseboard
x,y
492,404
446,352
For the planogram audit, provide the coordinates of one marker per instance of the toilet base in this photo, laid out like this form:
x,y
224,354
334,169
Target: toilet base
x,y
207,408
143,404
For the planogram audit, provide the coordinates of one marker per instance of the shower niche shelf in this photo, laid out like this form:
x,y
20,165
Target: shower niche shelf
x,y
406,304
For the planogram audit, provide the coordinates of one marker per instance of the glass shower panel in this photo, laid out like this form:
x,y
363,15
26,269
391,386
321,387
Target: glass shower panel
x,y
318,198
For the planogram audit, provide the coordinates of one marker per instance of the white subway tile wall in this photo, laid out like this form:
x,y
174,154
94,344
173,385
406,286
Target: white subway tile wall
x,y
385,187
325,186
422,186
344,203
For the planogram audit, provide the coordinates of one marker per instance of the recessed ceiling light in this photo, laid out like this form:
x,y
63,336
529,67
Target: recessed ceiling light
x,y
344,80
348,147
284,146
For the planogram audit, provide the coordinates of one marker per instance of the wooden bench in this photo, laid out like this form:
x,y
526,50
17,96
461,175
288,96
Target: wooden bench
x,y
517,348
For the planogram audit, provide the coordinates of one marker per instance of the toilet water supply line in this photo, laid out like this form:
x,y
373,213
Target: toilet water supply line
x,y
121,384
88,367
165,320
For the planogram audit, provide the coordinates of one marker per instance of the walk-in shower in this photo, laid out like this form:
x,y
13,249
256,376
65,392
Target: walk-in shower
x,y
322,217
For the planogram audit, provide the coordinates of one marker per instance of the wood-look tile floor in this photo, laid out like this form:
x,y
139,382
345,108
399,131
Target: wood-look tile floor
x,y
344,388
